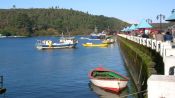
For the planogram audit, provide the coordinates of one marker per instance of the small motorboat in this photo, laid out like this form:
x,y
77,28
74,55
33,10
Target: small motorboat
x,y
108,41
95,45
108,79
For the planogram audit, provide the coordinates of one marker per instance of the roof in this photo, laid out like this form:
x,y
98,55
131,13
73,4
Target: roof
x,y
171,17
133,27
127,29
144,24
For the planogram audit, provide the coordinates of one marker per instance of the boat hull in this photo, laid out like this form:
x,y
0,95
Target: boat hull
x,y
95,45
113,85
95,37
56,46
108,79
108,41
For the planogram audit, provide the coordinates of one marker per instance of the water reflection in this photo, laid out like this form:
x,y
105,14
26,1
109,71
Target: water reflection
x,y
107,94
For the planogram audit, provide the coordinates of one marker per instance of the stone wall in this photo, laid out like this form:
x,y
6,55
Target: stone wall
x,y
141,62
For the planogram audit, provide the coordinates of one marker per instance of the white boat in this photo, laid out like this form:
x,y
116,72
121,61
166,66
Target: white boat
x,y
108,41
97,36
108,79
66,42
1,36
103,93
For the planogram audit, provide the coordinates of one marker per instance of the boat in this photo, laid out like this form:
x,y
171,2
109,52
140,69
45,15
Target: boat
x,y
96,35
108,41
102,93
108,79
95,45
64,42
1,36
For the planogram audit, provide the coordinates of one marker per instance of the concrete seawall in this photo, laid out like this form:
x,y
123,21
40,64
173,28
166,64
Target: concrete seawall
x,y
141,62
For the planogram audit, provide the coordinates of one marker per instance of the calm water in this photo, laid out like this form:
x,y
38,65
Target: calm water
x,y
60,73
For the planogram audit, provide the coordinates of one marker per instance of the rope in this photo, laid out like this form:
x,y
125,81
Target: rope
x,y
132,94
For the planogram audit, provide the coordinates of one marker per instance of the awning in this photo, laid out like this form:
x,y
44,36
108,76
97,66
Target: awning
x,y
143,24
171,18
133,27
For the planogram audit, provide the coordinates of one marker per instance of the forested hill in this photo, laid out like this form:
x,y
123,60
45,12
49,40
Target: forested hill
x,y
35,22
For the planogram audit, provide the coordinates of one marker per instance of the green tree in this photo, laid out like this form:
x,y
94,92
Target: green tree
x,y
24,21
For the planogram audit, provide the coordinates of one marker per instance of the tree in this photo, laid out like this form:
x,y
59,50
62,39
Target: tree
x,y
37,21
24,21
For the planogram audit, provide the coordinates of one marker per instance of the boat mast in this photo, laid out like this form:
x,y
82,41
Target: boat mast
x,y
68,31
95,29
62,35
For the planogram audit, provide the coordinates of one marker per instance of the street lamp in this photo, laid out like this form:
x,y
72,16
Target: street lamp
x,y
161,17
149,20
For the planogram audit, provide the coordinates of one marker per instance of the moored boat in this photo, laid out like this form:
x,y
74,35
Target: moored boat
x,y
102,92
97,36
1,36
108,79
94,45
68,42
108,41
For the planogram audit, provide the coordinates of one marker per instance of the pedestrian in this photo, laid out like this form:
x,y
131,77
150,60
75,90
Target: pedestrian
x,y
159,37
168,37
145,35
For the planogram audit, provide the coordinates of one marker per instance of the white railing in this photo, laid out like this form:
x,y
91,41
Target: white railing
x,y
163,85
164,48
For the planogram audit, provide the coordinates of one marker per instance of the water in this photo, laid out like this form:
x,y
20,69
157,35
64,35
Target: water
x,y
59,73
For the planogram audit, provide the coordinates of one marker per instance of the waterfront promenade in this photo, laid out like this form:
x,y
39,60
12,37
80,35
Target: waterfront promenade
x,y
159,86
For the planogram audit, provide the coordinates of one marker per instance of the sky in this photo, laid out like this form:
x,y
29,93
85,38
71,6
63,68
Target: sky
x,y
131,11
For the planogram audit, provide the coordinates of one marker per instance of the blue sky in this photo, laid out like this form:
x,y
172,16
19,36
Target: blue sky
x,y
132,11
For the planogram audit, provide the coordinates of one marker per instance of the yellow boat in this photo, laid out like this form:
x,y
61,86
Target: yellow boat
x,y
95,45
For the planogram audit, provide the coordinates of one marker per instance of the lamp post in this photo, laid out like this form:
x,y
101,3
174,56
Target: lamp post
x,y
149,20
160,17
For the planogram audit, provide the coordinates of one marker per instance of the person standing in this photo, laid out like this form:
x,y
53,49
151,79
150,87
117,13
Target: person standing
x,y
168,37
159,37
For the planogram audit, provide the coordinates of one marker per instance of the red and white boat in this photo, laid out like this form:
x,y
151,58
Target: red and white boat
x,y
108,79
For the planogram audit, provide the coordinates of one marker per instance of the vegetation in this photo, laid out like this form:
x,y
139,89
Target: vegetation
x,y
53,21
